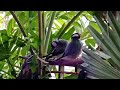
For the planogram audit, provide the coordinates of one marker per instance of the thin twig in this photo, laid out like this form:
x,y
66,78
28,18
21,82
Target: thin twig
x,y
43,61
38,58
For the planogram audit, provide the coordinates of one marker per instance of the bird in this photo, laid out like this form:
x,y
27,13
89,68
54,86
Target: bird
x,y
74,48
26,72
58,47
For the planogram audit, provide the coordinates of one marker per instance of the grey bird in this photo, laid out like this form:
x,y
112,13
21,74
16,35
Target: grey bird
x,y
74,48
58,47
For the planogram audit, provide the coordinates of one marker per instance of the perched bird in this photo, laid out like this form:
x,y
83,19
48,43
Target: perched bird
x,y
58,47
25,73
74,48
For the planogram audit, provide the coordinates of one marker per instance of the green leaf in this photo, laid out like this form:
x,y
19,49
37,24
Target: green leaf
x,y
90,41
4,51
32,14
2,63
60,30
64,17
20,43
69,24
35,45
103,55
110,41
99,66
4,37
89,17
57,25
103,44
68,34
95,26
85,34
22,18
24,51
14,49
4,31
72,77
18,12
77,27
6,67
91,12
49,32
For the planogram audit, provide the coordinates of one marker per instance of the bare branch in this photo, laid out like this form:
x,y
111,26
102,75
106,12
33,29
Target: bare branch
x,y
42,60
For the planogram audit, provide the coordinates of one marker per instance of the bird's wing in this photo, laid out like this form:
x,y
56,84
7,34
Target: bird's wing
x,y
73,48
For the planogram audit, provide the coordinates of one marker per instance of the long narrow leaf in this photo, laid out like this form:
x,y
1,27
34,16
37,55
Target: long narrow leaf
x,y
106,36
69,24
104,45
101,62
49,32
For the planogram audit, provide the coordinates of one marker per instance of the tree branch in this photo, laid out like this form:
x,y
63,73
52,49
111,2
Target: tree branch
x,y
20,26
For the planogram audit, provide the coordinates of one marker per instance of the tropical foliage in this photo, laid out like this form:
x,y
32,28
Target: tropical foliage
x,y
108,39
29,32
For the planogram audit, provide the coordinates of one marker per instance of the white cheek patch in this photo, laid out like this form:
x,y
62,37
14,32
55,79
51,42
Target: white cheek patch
x,y
75,35
54,44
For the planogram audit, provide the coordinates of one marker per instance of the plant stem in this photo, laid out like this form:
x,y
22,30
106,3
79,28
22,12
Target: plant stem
x,y
43,26
69,24
40,34
49,31
40,30
20,26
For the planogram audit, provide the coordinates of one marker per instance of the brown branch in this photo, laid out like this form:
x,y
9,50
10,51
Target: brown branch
x,y
43,61
40,32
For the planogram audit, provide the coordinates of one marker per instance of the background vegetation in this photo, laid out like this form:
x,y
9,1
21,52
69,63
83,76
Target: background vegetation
x,y
21,31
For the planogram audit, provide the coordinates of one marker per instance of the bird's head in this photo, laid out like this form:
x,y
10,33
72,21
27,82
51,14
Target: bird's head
x,y
60,42
54,43
76,35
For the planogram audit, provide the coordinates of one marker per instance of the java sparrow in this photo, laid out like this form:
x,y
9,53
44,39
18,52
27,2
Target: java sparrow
x,y
58,47
74,48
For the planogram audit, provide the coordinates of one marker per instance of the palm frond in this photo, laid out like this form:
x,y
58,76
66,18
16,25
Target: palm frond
x,y
108,40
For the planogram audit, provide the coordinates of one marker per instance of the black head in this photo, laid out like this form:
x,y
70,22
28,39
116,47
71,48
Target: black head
x,y
76,35
59,42
54,43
